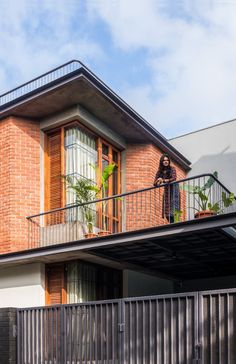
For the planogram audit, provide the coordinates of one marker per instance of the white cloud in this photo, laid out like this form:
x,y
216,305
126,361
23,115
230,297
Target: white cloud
x,y
36,36
191,54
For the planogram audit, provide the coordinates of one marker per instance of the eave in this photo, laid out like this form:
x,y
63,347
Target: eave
x,y
86,89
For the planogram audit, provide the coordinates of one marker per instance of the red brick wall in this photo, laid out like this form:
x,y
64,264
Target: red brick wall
x,y
20,180
144,209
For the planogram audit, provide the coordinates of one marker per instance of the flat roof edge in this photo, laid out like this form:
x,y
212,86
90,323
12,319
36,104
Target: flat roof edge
x,y
108,92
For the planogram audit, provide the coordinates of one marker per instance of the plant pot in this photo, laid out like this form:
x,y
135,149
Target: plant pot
x,y
205,213
90,235
104,232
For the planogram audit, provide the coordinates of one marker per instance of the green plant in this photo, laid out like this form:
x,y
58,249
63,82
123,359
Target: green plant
x,y
177,215
101,189
84,192
202,194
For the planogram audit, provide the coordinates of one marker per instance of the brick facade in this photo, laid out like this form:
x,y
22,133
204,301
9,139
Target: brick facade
x,y
145,209
20,180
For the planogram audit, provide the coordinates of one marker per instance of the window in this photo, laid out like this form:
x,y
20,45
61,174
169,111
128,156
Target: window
x,y
89,282
74,150
79,281
80,157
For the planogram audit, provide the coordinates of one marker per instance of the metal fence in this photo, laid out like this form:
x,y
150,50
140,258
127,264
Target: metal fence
x,y
192,328
183,200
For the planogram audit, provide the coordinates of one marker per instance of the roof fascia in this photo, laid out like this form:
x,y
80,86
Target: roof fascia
x,y
83,71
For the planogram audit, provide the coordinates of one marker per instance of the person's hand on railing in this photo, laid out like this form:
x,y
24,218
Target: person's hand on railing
x,y
158,181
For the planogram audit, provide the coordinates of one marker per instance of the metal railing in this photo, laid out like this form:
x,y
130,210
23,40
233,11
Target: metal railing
x,y
40,81
176,202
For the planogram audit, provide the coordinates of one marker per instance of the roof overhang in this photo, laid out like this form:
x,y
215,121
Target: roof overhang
x,y
200,248
84,88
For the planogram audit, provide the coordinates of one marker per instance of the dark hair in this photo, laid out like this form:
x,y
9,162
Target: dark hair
x,y
162,167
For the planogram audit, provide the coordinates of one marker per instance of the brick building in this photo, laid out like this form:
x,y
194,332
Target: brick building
x,y
60,129
61,124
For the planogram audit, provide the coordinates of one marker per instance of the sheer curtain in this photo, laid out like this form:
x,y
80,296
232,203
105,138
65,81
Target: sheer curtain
x,y
80,156
81,282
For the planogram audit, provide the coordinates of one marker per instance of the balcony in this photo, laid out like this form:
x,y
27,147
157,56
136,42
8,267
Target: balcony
x,y
201,197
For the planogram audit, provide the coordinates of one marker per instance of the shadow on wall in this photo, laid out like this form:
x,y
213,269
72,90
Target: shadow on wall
x,y
224,163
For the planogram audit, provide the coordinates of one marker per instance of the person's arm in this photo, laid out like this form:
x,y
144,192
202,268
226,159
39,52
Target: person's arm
x,y
158,180
173,176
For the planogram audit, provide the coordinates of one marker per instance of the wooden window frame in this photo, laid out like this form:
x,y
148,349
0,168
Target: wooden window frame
x,y
99,141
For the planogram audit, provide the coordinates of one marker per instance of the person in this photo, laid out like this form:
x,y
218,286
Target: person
x,y
166,173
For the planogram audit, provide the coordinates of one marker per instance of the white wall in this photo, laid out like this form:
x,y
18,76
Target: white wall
x,y
211,149
22,286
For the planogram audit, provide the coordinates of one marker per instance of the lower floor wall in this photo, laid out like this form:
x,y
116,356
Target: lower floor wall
x,y
139,284
22,286
37,284
206,284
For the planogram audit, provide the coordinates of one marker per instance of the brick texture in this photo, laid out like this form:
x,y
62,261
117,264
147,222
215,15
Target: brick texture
x,y
20,180
20,183
145,209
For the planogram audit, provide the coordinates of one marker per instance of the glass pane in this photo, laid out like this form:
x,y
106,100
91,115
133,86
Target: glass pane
x,y
105,149
115,226
114,156
80,157
105,163
81,282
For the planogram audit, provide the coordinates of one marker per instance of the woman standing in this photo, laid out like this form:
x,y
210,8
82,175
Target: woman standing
x,y
171,201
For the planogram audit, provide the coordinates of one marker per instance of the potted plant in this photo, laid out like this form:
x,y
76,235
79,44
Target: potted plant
x,y
201,194
84,192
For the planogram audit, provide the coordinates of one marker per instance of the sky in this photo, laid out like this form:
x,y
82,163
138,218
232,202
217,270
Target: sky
x,y
173,61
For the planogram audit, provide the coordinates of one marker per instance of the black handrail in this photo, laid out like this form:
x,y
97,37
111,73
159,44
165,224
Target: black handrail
x,y
41,76
130,193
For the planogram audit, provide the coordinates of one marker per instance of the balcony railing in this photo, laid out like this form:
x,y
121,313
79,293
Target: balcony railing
x,y
176,202
41,81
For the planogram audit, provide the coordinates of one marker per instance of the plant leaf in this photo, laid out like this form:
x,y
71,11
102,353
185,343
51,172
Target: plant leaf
x,y
228,200
210,181
215,207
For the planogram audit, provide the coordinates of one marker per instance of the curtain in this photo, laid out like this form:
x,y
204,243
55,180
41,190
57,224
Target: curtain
x,y
81,155
81,282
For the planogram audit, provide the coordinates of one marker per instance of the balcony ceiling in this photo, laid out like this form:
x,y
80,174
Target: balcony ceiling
x,y
194,249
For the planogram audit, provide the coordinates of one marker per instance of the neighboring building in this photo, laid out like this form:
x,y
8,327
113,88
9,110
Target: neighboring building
x,y
211,149
61,124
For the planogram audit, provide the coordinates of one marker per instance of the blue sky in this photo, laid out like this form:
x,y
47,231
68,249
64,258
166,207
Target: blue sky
x,y
173,61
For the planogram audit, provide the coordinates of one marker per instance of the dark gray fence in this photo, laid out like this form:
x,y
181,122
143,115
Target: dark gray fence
x,y
7,335
161,329
217,327
82,333
193,328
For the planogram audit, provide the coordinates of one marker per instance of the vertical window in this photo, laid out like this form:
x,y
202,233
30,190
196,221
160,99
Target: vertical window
x,y
74,151
80,157
81,282
112,212
89,282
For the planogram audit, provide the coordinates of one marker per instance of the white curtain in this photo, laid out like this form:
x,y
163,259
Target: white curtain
x,y
81,282
81,155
